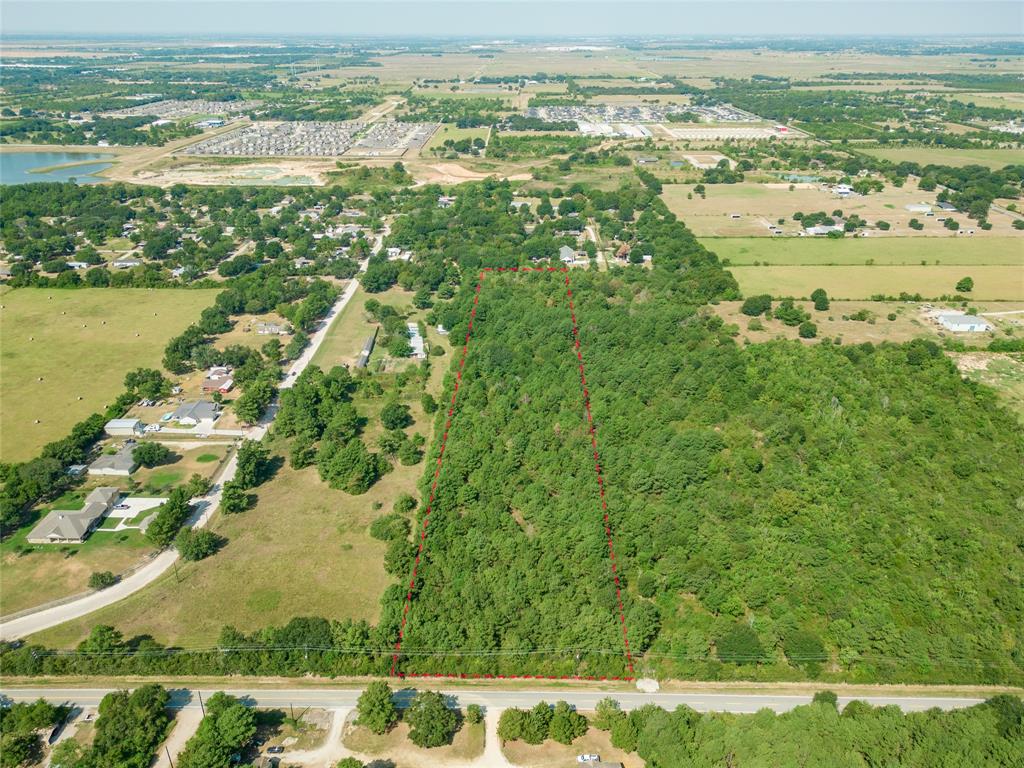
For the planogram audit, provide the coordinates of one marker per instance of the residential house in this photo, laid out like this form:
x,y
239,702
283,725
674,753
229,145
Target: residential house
x,y
270,329
567,254
126,262
445,201
198,413
119,464
74,526
218,379
416,341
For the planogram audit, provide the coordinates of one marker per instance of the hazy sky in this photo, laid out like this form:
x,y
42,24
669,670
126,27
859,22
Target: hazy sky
x,y
505,18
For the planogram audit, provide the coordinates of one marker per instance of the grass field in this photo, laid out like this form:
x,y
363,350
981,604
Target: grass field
x,y
761,204
448,131
1004,373
993,158
65,354
995,283
467,744
327,563
303,550
967,251
550,753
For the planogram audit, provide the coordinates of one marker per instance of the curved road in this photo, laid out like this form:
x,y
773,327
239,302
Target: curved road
x,y
204,506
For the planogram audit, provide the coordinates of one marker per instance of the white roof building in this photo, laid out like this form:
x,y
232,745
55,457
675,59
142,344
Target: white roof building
x,y
958,323
416,341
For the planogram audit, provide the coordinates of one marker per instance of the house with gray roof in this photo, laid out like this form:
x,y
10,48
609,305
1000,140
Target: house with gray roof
x,y
74,526
120,464
198,413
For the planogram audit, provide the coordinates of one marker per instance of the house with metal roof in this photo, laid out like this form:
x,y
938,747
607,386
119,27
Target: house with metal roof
x,y
119,464
959,323
74,526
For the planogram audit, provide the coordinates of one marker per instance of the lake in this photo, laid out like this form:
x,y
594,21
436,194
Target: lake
x,y
16,167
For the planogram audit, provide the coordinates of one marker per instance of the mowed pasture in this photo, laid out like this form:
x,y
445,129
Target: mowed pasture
x,y
65,353
761,204
822,251
993,158
991,282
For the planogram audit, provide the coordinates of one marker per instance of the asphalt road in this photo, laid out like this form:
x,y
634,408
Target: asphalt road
x,y
325,698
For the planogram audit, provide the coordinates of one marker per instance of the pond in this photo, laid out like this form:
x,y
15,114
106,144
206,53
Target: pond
x,y
18,167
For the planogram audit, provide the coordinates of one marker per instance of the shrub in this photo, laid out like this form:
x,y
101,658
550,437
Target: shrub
x,y
757,305
965,285
740,645
807,330
102,580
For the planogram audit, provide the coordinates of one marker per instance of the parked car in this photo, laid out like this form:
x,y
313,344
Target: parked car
x,y
153,428
275,750
588,758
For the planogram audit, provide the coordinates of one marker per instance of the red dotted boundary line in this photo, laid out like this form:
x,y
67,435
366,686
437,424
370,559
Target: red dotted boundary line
x,y
433,490
600,475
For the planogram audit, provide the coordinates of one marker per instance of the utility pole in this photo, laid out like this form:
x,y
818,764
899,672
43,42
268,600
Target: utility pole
x,y
168,751
200,694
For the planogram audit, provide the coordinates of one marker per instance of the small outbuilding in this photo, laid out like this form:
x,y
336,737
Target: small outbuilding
x,y
959,323
119,464
124,427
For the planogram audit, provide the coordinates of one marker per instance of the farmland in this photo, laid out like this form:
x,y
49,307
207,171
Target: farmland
x,y
993,158
106,332
991,282
861,251
759,205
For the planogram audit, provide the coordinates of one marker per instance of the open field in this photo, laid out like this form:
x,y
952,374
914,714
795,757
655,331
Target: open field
x,y
105,332
302,550
911,322
993,158
998,100
449,131
331,567
1004,373
994,283
467,744
551,754
759,205
858,251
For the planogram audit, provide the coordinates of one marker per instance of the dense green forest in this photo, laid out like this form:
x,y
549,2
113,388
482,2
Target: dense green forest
x,y
778,511
989,735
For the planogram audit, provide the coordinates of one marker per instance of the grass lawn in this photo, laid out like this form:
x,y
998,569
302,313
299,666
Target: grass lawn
x,y
858,251
61,363
551,754
159,480
33,574
993,158
467,744
995,283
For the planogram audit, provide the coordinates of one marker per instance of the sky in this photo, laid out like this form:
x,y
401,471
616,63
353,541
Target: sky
x,y
509,18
